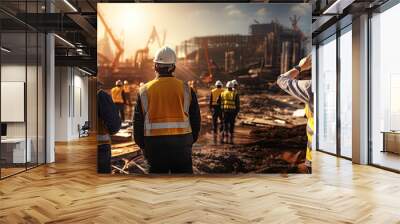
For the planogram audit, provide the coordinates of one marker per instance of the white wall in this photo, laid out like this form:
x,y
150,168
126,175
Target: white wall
x,y
71,103
12,73
33,127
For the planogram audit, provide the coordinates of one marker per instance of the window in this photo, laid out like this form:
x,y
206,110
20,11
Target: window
x,y
326,91
346,92
22,93
385,89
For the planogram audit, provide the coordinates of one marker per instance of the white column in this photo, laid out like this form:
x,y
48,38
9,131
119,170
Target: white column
x,y
360,90
50,99
314,90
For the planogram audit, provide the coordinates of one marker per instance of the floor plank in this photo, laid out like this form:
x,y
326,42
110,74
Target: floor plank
x,y
70,191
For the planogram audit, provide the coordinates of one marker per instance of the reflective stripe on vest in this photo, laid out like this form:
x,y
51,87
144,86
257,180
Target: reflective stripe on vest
x,y
215,93
165,103
228,100
116,94
310,133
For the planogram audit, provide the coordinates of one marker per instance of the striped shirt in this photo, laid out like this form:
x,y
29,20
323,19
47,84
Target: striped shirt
x,y
301,89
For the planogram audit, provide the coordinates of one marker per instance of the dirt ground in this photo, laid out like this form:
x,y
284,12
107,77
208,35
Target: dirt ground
x,y
269,138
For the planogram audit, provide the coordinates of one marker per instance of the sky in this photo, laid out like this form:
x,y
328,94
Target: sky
x,y
134,21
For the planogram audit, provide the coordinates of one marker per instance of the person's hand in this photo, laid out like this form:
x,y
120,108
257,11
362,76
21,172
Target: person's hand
x,y
305,63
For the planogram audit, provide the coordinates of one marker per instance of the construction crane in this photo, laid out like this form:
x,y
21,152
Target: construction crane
x,y
295,20
116,42
141,55
207,78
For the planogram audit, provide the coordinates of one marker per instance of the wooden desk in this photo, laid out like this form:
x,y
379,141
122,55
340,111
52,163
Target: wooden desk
x,y
391,141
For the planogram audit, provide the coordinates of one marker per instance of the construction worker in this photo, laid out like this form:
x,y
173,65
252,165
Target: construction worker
x,y
127,90
127,97
118,97
108,124
214,107
167,118
236,90
230,104
301,89
192,85
235,85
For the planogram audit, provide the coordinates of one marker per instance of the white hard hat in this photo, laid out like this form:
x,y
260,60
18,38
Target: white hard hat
x,y
118,83
235,82
218,83
165,55
126,82
229,84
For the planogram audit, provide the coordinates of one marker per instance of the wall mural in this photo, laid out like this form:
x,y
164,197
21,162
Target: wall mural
x,y
161,65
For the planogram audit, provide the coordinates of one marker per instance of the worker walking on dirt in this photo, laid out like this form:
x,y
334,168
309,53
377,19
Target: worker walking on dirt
x,y
166,118
108,124
235,89
230,104
301,89
215,108
192,85
127,97
127,91
118,97
235,85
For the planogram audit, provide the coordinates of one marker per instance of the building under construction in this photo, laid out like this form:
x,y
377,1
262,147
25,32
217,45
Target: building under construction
x,y
268,49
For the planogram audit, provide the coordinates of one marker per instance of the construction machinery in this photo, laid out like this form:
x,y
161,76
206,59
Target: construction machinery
x,y
120,49
208,77
142,55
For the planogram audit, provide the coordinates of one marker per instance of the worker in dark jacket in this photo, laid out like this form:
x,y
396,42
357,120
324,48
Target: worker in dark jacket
x,y
166,118
230,104
108,124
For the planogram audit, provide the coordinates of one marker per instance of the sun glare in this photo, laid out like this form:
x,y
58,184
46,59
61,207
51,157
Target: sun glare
x,y
132,18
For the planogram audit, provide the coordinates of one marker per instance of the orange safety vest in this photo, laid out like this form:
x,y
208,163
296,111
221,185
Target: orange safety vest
x,y
165,104
310,133
116,94
127,89
228,100
215,93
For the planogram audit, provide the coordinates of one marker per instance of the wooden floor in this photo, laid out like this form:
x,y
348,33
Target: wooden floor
x,y
70,191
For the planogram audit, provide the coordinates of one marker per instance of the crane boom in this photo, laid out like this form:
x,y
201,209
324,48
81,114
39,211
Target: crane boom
x,y
117,44
205,46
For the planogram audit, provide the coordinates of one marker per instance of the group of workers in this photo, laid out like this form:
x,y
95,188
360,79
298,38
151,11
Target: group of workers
x,y
166,119
224,106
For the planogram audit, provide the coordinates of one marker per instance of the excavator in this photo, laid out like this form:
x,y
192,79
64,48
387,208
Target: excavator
x,y
141,55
